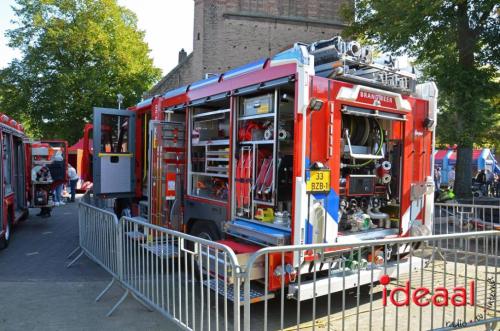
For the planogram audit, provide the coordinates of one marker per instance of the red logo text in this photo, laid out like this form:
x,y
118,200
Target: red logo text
x,y
423,296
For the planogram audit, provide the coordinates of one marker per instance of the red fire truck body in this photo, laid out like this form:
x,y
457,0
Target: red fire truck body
x,y
13,171
20,157
317,144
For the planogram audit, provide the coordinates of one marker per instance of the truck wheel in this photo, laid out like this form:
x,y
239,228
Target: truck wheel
x,y
121,207
206,230
4,241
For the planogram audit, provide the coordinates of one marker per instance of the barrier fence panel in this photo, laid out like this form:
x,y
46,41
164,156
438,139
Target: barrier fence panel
x,y
459,218
189,280
98,237
390,284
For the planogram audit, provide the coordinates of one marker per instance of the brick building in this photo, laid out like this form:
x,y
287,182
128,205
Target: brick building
x,y
230,33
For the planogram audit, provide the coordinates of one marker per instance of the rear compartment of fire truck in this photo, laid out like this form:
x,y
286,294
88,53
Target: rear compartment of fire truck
x,y
369,208
370,174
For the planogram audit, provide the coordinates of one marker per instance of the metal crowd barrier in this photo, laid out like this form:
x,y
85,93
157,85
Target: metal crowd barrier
x,y
98,237
351,297
459,218
199,284
191,281
450,218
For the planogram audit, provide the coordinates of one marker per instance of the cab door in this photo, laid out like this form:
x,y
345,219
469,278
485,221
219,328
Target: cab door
x,y
114,152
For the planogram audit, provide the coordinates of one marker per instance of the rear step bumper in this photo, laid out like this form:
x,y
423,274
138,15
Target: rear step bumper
x,y
366,235
335,283
224,267
257,294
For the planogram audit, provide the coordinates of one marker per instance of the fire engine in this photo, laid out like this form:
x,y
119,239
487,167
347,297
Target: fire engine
x,y
320,143
51,155
13,171
21,158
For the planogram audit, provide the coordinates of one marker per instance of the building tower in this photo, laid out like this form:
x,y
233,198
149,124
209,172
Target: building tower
x,y
230,33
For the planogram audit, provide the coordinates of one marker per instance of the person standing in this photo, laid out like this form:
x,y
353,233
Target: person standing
x,y
437,177
451,178
73,180
57,171
496,185
481,180
489,182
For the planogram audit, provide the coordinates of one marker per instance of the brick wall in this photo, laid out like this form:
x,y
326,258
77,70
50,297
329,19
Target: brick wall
x,y
230,33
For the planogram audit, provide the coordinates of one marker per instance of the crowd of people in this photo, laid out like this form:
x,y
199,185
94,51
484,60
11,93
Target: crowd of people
x,y
485,181
488,182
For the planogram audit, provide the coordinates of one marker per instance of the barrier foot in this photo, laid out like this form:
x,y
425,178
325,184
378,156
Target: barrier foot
x,y
124,296
106,289
76,259
73,252
144,304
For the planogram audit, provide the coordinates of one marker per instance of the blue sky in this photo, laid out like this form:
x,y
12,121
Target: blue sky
x,y
168,25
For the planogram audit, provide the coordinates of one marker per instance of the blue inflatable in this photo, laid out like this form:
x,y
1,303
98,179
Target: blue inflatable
x,y
482,159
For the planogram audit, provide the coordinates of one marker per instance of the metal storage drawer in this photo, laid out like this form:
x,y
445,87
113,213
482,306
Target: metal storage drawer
x,y
258,105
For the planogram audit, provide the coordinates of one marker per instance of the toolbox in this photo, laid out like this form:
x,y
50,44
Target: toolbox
x,y
262,104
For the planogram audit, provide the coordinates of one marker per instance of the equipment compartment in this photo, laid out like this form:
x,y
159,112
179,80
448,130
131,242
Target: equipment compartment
x,y
263,159
209,151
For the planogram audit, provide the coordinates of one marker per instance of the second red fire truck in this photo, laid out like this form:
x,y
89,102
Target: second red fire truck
x,y
317,144
23,185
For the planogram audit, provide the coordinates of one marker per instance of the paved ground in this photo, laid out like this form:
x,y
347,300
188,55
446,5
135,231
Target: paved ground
x,y
38,292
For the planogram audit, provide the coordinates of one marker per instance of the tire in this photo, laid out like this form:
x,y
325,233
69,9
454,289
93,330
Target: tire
x,y
121,207
206,230
4,241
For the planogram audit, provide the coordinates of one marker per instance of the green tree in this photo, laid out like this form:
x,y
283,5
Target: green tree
x,y
76,54
456,43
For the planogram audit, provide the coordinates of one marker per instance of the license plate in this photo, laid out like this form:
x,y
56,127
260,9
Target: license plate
x,y
318,181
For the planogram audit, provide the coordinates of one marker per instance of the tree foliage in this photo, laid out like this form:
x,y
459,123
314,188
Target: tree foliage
x,y
76,54
456,43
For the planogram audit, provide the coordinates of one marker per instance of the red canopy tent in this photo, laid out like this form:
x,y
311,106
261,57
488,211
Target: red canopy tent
x,y
76,155
78,145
